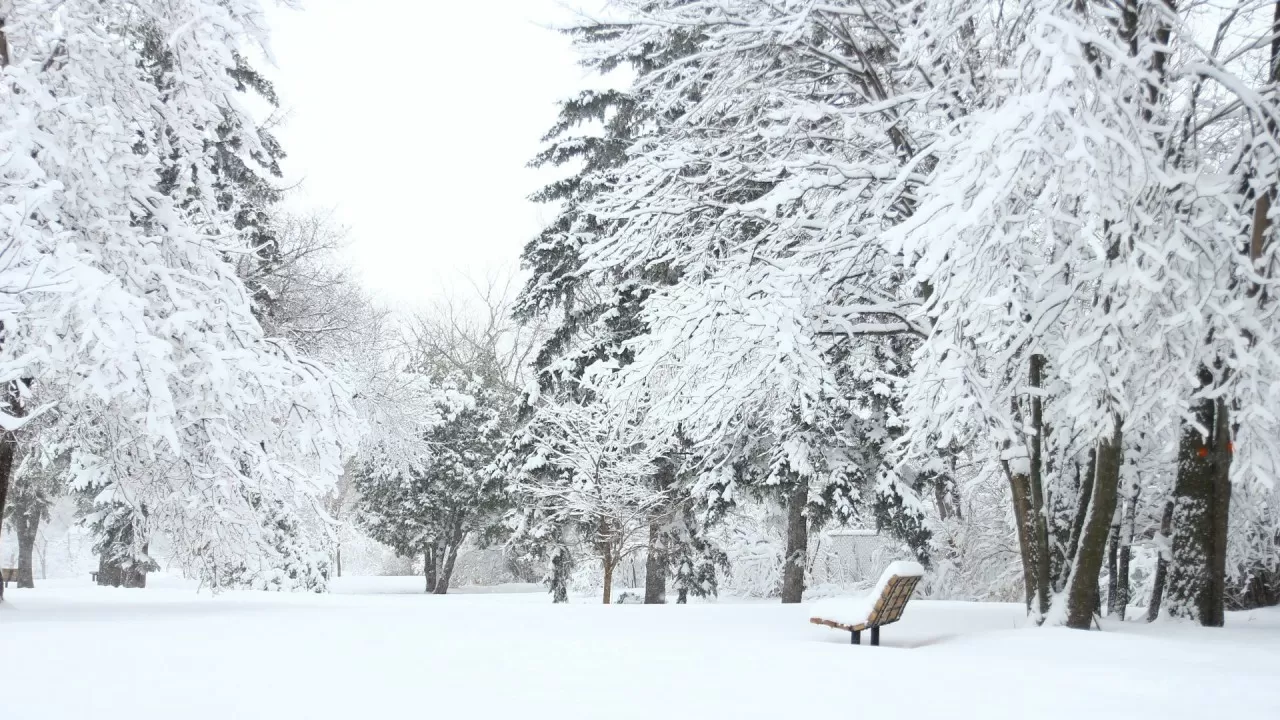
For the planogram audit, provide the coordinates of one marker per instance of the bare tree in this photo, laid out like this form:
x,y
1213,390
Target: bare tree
x,y
475,333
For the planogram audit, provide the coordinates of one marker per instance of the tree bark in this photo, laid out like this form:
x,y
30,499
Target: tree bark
x,y
1202,490
6,470
797,541
1113,554
429,568
561,566
1039,521
1201,506
655,566
1082,513
8,441
1221,516
659,550
1162,564
1020,493
1122,579
609,563
26,526
446,568
1082,587
1127,530
940,499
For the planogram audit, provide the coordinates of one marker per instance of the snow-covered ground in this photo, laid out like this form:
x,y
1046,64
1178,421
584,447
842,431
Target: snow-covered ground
x,y
376,648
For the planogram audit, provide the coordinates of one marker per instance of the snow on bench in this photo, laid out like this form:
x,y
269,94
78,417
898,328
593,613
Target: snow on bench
x,y
883,605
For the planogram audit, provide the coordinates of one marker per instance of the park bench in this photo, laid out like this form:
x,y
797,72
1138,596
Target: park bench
x,y
882,606
10,574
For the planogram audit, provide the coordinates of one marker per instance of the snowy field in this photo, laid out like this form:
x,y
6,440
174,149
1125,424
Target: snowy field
x,y
378,648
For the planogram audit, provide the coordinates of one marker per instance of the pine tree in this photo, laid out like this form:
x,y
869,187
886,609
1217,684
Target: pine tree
x,y
723,196
454,493
595,315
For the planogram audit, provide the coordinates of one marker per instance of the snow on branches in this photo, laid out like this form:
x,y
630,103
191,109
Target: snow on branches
x,y
918,247
120,300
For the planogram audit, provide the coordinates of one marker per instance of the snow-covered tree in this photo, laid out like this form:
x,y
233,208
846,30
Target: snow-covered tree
x,y
38,481
122,305
580,488
908,249
776,332
590,315
451,490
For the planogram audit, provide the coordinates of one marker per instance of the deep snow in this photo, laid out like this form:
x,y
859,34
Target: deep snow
x,y
377,648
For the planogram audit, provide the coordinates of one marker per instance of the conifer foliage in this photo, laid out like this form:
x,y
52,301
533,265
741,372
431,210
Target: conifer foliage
x,y
928,264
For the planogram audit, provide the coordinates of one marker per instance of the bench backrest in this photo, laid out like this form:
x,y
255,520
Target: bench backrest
x,y
893,600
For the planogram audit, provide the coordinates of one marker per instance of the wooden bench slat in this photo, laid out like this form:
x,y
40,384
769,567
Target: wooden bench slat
x,y
838,626
888,607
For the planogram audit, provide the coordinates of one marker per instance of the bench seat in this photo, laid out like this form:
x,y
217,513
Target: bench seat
x,y
882,606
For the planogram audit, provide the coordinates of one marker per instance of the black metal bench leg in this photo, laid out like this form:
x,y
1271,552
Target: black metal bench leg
x,y
875,635
857,638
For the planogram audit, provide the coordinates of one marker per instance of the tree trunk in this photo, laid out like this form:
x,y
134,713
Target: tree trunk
x,y
655,567
1201,500
940,499
561,566
1039,521
6,470
1122,580
429,568
8,441
1126,544
1082,513
26,526
660,539
446,568
1162,564
609,562
797,541
1221,516
1082,587
338,559
1113,554
1020,493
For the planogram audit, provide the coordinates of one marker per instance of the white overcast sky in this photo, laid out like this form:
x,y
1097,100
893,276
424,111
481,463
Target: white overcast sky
x,y
413,121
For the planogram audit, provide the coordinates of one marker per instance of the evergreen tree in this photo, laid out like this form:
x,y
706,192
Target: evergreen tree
x,y
751,170
453,493
594,315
